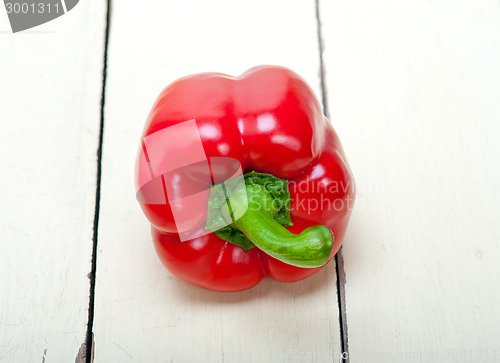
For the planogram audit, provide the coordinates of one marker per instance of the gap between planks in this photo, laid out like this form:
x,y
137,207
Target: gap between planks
x,y
339,260
89,341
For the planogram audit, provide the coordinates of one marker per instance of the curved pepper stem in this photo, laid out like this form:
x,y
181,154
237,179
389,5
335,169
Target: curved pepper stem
x,y
309,249
257,215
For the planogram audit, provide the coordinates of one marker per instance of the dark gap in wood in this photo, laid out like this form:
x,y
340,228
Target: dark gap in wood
x,y
92,275
339,260
321,64
339,268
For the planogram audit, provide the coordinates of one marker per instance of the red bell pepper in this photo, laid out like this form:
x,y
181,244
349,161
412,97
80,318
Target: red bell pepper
x,y
214,228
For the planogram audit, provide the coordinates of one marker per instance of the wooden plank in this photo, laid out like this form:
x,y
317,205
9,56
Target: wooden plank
x,y
50,92
142,312
413,88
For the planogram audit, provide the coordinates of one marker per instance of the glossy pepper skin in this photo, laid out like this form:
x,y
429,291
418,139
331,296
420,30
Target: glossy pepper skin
x,y
271,122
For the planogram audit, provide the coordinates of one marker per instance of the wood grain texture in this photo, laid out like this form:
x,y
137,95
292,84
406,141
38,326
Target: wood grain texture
x,y
143,313
50,91
414,90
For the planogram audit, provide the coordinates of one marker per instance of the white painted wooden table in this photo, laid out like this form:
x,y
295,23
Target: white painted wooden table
x,y
413,89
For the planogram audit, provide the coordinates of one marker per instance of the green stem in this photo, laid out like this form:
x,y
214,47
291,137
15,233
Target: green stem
x,y
311,248
258,211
